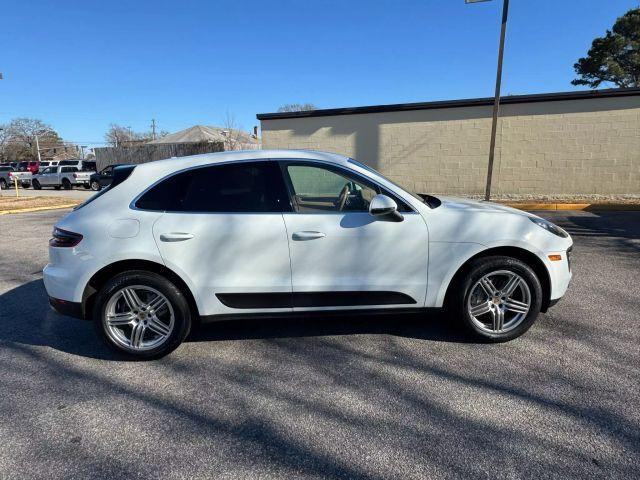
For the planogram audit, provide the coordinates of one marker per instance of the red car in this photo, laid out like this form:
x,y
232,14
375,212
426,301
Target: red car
x,y
32,167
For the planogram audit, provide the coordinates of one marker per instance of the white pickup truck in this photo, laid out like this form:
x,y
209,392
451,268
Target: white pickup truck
x,y
9,174
61,177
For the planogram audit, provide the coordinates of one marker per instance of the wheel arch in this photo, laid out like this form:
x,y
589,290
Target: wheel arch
x,y
526,256
97,281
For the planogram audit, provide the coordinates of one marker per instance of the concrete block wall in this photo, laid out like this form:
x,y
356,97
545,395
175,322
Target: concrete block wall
x,y
573,147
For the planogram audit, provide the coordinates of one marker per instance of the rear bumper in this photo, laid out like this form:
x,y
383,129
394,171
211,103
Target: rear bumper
x,y
65,307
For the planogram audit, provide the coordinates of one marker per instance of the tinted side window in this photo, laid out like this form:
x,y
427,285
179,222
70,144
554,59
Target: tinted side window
x,y
238,187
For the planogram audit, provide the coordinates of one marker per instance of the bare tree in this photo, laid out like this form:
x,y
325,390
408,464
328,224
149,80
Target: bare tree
x,y
119,136
233,135
297,107
18,138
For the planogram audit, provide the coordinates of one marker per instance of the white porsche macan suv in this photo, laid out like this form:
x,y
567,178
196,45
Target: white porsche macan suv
x,y
271,233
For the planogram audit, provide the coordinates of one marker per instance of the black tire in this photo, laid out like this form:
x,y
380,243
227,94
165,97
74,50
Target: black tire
x,y
36,185
86,186
179,304
25,185
66,184
95,186
478,269
3,184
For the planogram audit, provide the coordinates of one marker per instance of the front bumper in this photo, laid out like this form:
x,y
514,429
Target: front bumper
x,y
560,275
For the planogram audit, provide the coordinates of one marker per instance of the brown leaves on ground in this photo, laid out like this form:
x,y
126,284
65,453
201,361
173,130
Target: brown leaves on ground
x,y
19,203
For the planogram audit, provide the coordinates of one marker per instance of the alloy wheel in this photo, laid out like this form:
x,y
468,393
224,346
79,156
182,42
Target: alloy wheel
x,y
138,318
499,302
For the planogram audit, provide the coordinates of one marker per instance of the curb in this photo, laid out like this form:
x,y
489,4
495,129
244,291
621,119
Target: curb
x,y
38,209
591,207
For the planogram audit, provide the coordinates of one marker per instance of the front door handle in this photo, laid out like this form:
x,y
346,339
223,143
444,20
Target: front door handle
x,y
307,235
175,236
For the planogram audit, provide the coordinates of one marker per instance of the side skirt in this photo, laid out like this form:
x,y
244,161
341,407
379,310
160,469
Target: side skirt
x,y
319,314
313,299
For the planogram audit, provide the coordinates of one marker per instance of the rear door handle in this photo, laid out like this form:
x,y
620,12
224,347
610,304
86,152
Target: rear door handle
x,y
307,235
175,236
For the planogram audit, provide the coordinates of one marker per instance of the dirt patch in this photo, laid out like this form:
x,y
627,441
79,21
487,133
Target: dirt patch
x,y
20,203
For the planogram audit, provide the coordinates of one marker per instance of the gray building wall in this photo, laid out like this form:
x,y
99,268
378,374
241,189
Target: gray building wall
x,y
576,147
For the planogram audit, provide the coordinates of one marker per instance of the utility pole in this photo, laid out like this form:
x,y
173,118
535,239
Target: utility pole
x,y
153,129
496,101
38,148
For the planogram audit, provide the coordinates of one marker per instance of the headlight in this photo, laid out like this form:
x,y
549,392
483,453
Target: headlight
x,y
549,227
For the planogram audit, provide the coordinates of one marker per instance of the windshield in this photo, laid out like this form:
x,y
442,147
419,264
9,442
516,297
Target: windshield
x,y
369,169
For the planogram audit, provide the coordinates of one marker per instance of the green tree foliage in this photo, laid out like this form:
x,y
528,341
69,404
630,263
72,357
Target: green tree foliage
x,y
614,58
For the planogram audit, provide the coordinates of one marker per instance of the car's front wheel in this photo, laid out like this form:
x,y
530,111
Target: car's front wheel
x,y
95,185
142,314
498,299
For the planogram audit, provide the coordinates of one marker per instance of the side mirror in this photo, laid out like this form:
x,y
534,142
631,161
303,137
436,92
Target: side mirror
x,y
383,206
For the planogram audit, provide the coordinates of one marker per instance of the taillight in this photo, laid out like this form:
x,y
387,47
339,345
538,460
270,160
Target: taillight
x,y
75,175
64,238
11,174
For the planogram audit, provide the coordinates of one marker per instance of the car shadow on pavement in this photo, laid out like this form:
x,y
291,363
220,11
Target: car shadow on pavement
x,y
421,326
26,318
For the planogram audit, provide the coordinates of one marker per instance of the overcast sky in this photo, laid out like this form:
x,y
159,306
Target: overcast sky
x,y
81,65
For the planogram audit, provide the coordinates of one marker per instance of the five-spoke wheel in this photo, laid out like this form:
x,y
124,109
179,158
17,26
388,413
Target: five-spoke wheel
x,y
499,301
142,313
498,298
139,317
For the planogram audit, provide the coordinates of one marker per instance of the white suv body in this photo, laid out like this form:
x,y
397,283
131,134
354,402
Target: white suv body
x,y
276,232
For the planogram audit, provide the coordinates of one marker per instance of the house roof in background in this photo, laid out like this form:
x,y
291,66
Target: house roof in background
x,y
205,134
469,102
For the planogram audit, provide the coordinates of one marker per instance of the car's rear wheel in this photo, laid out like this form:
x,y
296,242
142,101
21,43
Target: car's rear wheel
x,y
66,184
3,184
95,186
36,185
142,314
498,299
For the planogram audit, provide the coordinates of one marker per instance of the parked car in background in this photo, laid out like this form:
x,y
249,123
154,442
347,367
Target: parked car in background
x,y
47,163
61,177
280,232
81,165
101,179
13,165
31,166
8,174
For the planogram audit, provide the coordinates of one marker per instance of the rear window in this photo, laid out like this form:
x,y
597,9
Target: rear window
x,y
68,169
120,174
248,187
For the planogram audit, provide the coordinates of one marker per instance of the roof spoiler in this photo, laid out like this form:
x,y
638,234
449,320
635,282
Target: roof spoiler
x,y
121,173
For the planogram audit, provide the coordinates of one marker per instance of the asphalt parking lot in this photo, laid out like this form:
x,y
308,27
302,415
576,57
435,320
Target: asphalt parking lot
x,y
378,397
